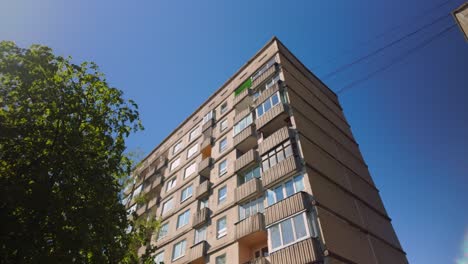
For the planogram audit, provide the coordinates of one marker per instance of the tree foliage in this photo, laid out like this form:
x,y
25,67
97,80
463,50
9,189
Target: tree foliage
x,y
62,143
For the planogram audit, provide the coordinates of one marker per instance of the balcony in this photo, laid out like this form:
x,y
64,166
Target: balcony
x,y
204,167
265,76
141,209
260,260
293,204
305,251
198,252
246,139
207,142
152,183
162,162
274,139
246,159
251,229
200,217
275,118
248,190
202,190
281,170
208,124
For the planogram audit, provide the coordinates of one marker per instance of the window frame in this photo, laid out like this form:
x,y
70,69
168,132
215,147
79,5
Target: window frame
x,y
178,145
221,147
194,165
285,149
160,253
221,127
171,183
218,258
160,231
192,136
270,101
173,167
197,239
223,108
221,232
182,199
222,172
185,215
258,203
243,124
189,155
164,210
284,189
295,240
224,198
182,251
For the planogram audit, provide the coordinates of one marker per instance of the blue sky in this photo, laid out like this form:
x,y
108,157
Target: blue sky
x,y
411,121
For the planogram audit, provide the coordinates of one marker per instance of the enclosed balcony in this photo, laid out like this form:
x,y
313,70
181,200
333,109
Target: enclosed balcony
x,y
265,75
153,183
246,159
204,167
202,190
271,109
251,228
280,171
248,190
274,139
198,252
200,217
242,97
291,205
305,251
246,139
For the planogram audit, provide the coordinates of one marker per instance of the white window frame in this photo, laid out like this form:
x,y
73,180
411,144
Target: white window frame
x,y
185,216
223,231
265,67
171,183
183,244
222,199
177,147
175,163
188,191
194,133
221,148
224,109
208,116
295,240
165,209
283,189
190,170
251,207
243,124
200,234
222,171
262,105
223,125
192,151
162,235
159,255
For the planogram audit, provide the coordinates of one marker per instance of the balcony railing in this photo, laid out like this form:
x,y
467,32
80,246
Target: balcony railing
x,y
208,124
202,190
260,260
250,225
198,251
200,217
274,139
265,75
287,207
277,112
248,158
207,141
248,190
246,139
204,167
305,251
281,170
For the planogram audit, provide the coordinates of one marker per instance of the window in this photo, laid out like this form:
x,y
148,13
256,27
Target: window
x,y
163,231
171,184
251,174
251,208
221,259
186,193
224,108
183,219
179,250
208,116
200,234
223,125
276,155
222,194
241,125
289,231
191,151
168,205
194,133
137,190
284,190
177,147
267,104
175,163
190,170
203,203
221,228
222,145
263,69
267,86
222,168
159,258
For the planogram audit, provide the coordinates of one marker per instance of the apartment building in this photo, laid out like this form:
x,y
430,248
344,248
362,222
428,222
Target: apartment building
x,y
265,171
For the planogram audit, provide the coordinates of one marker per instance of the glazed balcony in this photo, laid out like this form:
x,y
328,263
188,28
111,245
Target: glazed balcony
x,y
251,229
273,119
241,94
204,167
200,217
280,171
291,205
248,190
246,139
305,251
198,252
274,139
246,159
208,124
265,75
202,190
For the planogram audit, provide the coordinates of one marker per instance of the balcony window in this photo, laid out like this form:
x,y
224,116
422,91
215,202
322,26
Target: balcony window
x,y
222,168
159,258
241,125
183,219
194,133
186,193
222,145
267,86
163,231
208,116
264,68
177,147
251,208
286,189
171,184
253,173
289,231
200,234
223,125
179,250
191,151
224,108
276,155
203,203
222,194
221,228
190,170
267,104
175,163
168,205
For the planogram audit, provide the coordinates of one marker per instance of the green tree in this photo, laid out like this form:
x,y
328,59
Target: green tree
x,y
62,143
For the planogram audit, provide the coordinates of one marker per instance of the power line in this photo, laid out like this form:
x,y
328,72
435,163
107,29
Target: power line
x,y
345,66
397,59
382,34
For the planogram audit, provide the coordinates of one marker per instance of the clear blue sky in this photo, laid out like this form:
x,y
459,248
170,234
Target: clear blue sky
x,y
411,121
